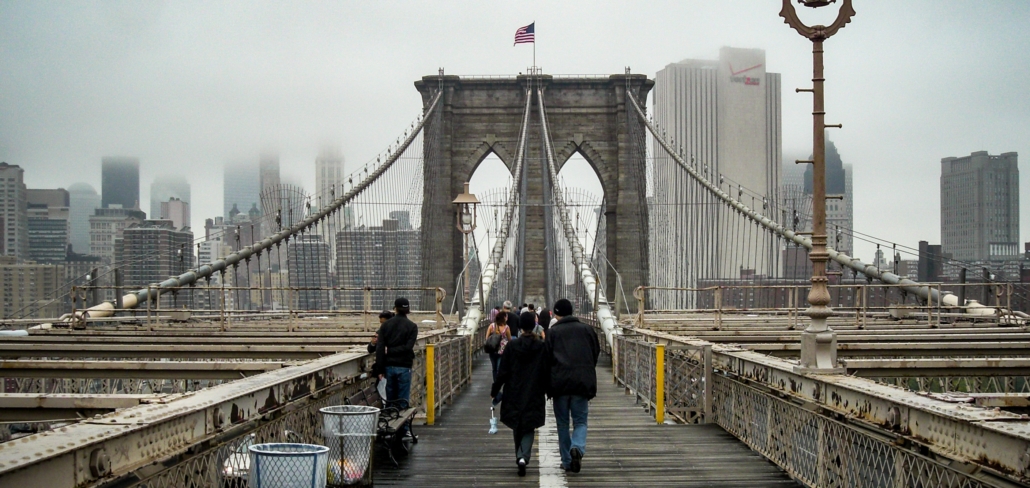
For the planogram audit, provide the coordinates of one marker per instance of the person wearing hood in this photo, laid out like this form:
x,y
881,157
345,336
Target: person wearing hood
x,y
523,375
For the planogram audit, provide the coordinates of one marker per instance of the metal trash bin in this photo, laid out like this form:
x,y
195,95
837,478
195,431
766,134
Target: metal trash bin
x,y
349,432
282,465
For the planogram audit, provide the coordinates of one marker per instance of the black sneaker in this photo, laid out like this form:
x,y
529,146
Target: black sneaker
x,y
577,455
522,467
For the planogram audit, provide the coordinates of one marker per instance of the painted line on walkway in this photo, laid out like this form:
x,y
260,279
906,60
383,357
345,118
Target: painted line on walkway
x,y
551,474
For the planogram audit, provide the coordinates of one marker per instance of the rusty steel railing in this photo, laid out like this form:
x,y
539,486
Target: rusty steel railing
x,y
217,465
682,388
799,421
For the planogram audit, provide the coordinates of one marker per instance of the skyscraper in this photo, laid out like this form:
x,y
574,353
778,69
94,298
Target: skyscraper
x,y
980,206
119,182
241,187
83,201
14,232
328,173
48,214
725,115
269,167
165,188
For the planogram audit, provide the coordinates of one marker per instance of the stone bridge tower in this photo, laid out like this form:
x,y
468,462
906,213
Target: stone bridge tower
x,y
590,116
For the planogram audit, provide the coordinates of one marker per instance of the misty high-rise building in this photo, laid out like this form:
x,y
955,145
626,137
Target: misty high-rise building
x,y
980,207
164,188
14,231
329,173
840,215
48,226
269,170
725,116
83,199
119,182
241,187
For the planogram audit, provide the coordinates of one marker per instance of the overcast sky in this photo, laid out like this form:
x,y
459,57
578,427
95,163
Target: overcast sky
x,y
186,86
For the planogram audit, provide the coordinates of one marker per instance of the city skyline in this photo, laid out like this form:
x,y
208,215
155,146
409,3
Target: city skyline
x,y
906,105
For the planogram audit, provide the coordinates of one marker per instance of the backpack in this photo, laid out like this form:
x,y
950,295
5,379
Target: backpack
x,y
493,343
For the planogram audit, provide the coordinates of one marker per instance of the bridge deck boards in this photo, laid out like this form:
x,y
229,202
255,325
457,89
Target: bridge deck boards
x,y
625,448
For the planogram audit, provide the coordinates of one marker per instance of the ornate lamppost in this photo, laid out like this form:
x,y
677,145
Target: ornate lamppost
x,y
818,341
466,223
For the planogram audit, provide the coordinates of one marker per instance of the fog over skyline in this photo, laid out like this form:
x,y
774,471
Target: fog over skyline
x,y
189,86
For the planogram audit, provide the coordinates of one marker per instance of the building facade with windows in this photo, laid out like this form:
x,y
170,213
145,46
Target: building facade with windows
x,y
14,226
980,207
723,116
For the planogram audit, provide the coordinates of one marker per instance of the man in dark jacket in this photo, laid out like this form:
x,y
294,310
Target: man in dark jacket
x,y
572,351
395,352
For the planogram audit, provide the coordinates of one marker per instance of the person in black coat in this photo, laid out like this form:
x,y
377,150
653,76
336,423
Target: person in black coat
x,y
572,351
524,375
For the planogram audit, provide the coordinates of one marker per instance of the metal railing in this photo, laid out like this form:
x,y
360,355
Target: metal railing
x,y
823,430
853,302
679,388
225,311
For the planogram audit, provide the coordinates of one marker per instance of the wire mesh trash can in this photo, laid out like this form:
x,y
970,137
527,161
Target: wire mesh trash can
x,y
349,432
281,465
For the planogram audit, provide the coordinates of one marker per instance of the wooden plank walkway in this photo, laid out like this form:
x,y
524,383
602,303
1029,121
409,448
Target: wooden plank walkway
x,y
624,448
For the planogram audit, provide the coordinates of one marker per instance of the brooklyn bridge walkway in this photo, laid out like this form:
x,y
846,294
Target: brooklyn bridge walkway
x,y
625,447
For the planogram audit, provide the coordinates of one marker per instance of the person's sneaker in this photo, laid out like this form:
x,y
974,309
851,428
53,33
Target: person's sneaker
x,y
522,467
577,456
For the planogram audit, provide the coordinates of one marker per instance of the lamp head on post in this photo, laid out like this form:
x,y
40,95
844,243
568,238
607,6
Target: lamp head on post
x,y
467,204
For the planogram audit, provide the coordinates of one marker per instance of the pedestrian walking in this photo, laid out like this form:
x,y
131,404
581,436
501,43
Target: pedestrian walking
x,y
498,336
523,377
572,352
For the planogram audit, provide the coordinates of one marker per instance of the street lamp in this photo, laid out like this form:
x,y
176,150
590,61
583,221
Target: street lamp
x,y
818,341
466,223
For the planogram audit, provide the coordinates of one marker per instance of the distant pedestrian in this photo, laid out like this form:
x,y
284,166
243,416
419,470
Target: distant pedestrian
x,y
545,318
494,312
572,351
395,353
523,375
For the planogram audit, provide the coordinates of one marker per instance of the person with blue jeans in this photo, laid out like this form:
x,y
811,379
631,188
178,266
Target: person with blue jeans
x,y
395,353
572,351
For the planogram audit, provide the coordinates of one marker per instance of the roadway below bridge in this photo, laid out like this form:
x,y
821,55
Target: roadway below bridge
x,y
625,447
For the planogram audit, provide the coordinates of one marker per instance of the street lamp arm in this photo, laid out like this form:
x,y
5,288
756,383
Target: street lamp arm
x,y
817,32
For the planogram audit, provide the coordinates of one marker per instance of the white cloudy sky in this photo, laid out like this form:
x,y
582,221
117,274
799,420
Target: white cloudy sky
x,y
186,86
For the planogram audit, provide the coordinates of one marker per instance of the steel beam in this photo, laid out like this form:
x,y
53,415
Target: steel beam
x,y
190,370
140,351
31,407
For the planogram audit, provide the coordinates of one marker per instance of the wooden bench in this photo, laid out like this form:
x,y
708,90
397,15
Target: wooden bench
x,y
392,421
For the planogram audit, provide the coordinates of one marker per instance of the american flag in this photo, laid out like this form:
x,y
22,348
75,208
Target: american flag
x,y
525,34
